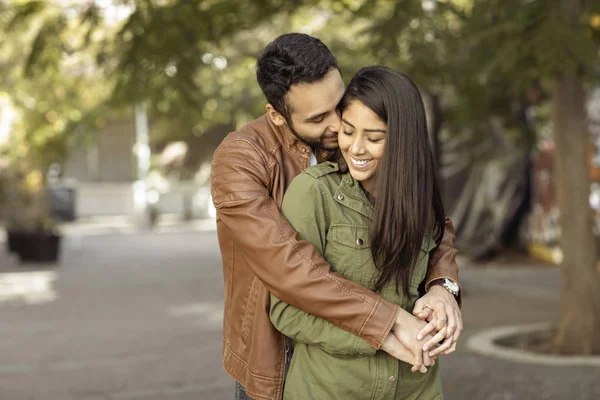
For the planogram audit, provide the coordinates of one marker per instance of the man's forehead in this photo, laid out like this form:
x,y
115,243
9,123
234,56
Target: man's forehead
x,y
307,99
307,103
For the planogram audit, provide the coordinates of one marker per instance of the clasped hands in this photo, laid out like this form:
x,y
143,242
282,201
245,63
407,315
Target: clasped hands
x,y
414,338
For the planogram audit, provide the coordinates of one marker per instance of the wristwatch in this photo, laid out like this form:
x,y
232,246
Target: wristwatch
x,y
448,284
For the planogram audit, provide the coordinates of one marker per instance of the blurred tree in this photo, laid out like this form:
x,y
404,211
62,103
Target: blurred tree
x,y
191,61
56,97
554,41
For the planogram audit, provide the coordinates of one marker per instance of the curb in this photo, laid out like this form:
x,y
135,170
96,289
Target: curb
x,y
483,343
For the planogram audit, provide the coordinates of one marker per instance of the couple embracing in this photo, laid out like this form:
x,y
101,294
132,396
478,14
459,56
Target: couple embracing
x,y
338,260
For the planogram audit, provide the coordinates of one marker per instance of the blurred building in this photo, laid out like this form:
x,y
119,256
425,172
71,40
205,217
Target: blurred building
x,y
103,172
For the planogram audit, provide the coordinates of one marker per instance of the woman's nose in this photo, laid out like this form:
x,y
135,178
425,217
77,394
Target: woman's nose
x,y
357,147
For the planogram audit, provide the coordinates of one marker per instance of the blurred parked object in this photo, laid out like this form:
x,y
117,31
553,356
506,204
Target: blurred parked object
x,y
63,203
486,190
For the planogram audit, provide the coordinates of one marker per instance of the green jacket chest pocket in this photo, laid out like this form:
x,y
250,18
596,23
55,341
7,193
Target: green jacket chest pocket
x,y
348,245
420,271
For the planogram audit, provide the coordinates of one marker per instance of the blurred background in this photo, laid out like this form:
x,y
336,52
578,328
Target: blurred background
x,y
110,111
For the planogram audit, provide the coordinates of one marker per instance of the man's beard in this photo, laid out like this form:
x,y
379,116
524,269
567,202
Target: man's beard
x,y
317,143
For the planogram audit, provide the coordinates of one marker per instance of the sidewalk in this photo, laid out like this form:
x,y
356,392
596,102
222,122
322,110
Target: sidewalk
x,y
138,316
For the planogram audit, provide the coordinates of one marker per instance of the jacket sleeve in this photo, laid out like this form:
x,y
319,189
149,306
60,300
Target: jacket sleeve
x,y
292,269
312,330
442,263
304,208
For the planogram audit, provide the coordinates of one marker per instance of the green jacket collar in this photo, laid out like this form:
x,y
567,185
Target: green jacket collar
x,y
350,194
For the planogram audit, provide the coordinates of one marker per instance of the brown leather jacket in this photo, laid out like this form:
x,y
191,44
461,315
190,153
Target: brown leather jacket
x,y
262,253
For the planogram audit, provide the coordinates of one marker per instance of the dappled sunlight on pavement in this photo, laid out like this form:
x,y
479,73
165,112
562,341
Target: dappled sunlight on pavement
x,y
29,287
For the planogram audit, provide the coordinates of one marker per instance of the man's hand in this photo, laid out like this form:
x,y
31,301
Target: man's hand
x,y
393,347
406,329
441,310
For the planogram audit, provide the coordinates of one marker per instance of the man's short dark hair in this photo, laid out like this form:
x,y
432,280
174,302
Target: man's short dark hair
x,y
291,59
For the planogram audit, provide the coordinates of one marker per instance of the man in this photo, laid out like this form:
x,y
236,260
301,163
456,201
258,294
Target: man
x,y
262,253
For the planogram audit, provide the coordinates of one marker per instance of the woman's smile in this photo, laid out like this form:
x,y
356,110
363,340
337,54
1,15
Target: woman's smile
x,y
360,164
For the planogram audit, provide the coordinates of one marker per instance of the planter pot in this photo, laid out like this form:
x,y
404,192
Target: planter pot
x,y
38,246
13,241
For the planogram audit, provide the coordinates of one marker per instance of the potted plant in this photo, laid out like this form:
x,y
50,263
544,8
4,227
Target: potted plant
x,y
31,231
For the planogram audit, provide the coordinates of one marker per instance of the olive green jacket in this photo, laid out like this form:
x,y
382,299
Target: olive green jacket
x,y
331,210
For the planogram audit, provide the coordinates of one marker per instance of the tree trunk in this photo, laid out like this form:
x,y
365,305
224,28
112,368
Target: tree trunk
x,y
437,118
579,329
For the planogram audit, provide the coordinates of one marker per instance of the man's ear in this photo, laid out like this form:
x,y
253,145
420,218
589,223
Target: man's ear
x,y
275,115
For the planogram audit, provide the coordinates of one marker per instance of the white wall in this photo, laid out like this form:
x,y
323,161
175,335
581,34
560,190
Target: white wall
x,y
103,198
94,199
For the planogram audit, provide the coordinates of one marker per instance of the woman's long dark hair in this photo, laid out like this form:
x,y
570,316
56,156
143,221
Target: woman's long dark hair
x,y
408,203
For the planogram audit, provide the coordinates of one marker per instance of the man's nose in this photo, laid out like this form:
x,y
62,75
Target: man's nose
x,y
335,122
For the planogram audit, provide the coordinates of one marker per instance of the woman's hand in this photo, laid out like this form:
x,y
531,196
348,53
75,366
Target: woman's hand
x,y
441,310
393,347
405,329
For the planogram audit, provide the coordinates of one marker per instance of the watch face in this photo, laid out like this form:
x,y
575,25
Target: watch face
x,y
452,285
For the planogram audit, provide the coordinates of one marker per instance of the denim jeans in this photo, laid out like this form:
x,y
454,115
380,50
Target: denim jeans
x,y
240,393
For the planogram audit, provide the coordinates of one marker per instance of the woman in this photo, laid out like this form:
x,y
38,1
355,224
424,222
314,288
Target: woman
x,y
375,219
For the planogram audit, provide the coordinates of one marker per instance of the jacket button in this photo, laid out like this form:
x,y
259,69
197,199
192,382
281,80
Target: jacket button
x,y
340,197
359,242
392,379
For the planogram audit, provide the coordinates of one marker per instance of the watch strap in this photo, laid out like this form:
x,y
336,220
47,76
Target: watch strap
x,y
441,282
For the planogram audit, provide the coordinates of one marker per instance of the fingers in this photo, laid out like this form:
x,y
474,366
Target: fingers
x,y
459,327
429,328
456,334
441,317
446,334
451,350
454,329
446,346
418,365
445,318
452,322
421,370
422,311
432,343
451,336
427,361
426,314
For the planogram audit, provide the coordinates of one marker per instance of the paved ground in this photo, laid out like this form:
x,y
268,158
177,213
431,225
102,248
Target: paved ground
x,y
137,316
